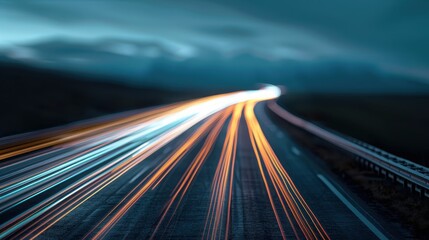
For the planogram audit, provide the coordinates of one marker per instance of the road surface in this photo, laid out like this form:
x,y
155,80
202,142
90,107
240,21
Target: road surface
x,y
217,167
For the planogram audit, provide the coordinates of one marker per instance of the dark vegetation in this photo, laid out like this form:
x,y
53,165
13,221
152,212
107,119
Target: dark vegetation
x,y
390,200
33,99
396,123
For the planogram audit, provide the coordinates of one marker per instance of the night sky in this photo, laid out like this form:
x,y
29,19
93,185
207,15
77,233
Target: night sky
x,y
233,43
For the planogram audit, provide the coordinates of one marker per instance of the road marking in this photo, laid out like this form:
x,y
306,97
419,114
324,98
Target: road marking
x,y
167,149
296,151
139,174
350,206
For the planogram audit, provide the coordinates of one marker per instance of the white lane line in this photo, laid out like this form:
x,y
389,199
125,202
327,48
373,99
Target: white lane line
x,y
296,151
350,206
139,174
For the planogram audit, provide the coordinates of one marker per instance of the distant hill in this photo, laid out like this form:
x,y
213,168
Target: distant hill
x,y
151,64
32,99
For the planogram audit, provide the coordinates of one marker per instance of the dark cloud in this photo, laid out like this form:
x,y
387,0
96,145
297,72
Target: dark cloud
x,y
228,31
129,62
395,30
389,34
49,10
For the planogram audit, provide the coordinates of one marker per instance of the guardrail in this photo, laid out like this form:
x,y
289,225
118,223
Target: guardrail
x,y
409,174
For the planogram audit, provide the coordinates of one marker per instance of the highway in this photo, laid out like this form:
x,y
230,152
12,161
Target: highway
x,y
212,168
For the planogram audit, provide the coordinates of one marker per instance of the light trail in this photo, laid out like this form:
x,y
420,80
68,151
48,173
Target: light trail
x,y
150,181
190,174
291,200
44,178
220,203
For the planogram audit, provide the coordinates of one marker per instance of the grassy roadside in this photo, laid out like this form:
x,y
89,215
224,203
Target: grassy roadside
x,y
395,123
391,200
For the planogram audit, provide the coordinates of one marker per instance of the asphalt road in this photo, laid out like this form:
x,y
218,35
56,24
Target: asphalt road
x,y
225,194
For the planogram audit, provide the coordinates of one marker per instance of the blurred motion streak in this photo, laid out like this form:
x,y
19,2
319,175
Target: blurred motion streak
x,y
283,185
45,177
223,180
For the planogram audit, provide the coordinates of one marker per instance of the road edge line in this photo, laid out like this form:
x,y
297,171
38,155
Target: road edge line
x,y
354,210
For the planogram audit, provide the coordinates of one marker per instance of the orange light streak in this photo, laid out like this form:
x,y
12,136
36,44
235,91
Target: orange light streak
x,y
152,180
285,189
288,205
223,181
187,179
